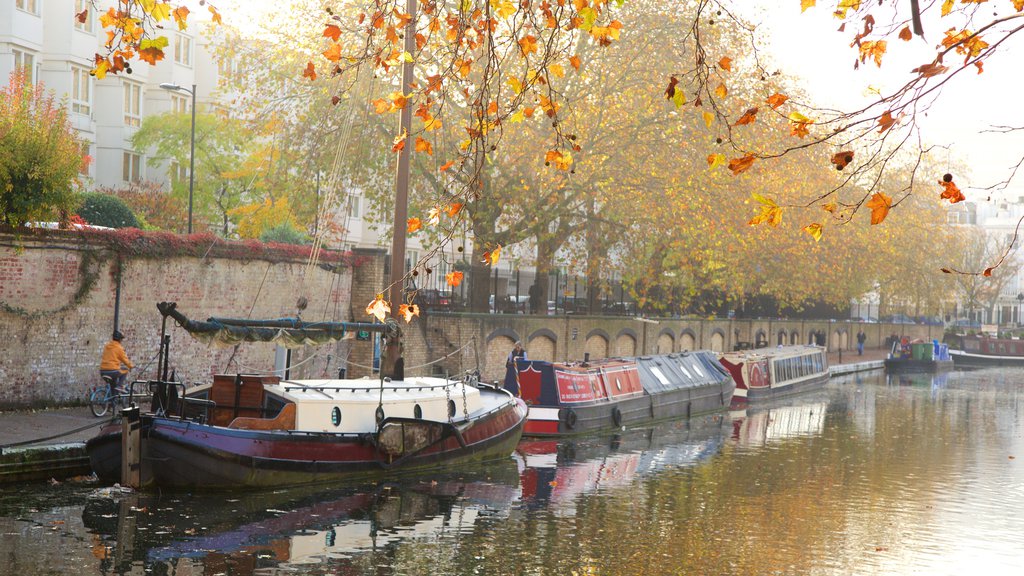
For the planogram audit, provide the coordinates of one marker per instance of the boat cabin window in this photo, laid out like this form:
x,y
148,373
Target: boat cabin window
x,y
661,377
451,408
417,412
685,371
336,416
697,370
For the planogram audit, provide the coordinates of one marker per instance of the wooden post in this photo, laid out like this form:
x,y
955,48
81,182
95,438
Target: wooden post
x,y
131,448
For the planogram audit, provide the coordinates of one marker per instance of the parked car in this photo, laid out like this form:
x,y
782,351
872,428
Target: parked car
x,y
432,299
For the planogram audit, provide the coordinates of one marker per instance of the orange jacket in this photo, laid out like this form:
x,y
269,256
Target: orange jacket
x,y
114,357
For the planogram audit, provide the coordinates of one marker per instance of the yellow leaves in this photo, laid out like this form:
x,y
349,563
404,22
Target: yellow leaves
x,y
721,91
830,207
748,117
1018,5
739,165
159,12
844,6
423,145
556,70
180,15
492,256
841,159
528,45
965,42
561,160
152,49
503,8
605,34
394,102
947,7
879,205
463,67
874,49
333,32
413,224
708,118
725,63
407,311
549,106
309,72
398,144
454,278
814,230
798,124
214,15
379,308
333,53
715,160
776,100
100,71
770,213
805,4
514,84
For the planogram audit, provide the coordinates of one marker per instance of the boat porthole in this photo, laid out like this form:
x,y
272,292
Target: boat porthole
x,y
451,408
570,418
417,412
336,416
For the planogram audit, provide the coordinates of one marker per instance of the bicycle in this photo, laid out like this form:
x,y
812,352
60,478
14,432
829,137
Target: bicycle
x,y
107,397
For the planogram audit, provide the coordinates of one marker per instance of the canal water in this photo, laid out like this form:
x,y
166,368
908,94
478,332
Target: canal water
x,y
871,475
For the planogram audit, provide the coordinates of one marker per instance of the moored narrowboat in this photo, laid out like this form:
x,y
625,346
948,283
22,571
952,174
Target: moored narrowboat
x,y
983,351
566,399
772,372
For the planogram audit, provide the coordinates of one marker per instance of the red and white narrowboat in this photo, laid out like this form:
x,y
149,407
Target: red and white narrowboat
x,y
567,399
772,372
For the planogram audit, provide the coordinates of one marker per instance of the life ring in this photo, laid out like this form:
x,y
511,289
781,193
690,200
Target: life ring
x,y
570,418
616,416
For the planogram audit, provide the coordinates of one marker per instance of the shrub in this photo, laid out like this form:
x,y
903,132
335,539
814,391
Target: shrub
x,y
284,233
106,210
153,207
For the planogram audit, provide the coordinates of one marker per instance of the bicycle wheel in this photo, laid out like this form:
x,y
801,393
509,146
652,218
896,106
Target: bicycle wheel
x,y
98,402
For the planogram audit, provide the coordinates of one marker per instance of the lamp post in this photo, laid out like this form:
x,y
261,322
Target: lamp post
x,y
1020,300
192,146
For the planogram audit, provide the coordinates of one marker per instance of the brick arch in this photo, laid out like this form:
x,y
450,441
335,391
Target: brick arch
x,y
543,333
625,343
794,337
666,341
687,340
840,339
760,337
503,333
782,337
498,347
597,344
542,345
717,340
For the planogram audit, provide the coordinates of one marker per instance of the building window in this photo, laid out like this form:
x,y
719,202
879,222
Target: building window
x,y
353,207
132,104
131,168
81,91
177,172
179,104
183,50
86,159
28,5
83,6
26,60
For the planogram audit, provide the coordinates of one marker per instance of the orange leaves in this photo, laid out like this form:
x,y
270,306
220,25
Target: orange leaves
x,y
906,35
413,224
453,209
776,100
841,159
309,72
798,124
879,205
492,256
379,308
721,91
725,63
929,70
715,160
333,53
394,102
874,49
407,311
574,61
398,144
214,15
886,121
180,15
333,32
561,160
423,145
605,34
749,116
967,43
444,167
453,278
674,94
950,191
739,165
528,45
770,213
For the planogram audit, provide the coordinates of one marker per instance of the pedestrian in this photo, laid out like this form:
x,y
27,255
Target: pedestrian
x,y
861,338
115,363
517,354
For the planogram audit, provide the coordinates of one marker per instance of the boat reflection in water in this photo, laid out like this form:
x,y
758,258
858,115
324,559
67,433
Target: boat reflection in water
x,y
780,420
558,471
263,531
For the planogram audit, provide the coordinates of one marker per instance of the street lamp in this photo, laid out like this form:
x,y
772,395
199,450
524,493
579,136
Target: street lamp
x,y
1020,300
192,150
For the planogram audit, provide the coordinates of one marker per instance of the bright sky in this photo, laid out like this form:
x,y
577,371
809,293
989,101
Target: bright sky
x,y
808,45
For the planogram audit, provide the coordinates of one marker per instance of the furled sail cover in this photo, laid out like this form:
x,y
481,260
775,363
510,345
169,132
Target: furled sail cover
x,y
288,332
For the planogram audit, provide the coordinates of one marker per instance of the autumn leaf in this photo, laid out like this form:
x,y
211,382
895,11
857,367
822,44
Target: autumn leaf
x,y
214,15
453,209
814,230
407,311
805,4
929,70
423,145
670,92
528,44
798,124
309,72
721,91
906,35
413,224
82,16
333,32
738,165
181,17
874,49
725,63
398,144
453,278
574,61
749,116
715,160
708,119
988,271
947,6
841,159
492,256
379,308
561,160
879,205
830,207
434,216
446,166
333,53
950,191
770,213
776,100
886,121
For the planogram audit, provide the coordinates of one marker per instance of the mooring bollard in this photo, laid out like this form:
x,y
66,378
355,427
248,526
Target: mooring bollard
x,y
131,447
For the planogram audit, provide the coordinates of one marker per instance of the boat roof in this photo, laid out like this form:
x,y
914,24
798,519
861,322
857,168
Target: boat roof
x,y
771,353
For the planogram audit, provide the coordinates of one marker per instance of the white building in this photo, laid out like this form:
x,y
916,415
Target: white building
x,y
44,37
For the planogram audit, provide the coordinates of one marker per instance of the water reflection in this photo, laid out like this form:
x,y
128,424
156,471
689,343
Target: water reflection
x,y
872,475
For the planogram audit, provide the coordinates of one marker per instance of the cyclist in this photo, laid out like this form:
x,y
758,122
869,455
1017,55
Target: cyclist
x,y
115,363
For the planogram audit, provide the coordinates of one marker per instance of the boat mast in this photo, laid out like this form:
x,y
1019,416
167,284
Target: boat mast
x,y
392,364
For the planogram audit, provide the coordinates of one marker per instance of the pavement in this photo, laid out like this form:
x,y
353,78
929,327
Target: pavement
x,y
50,443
